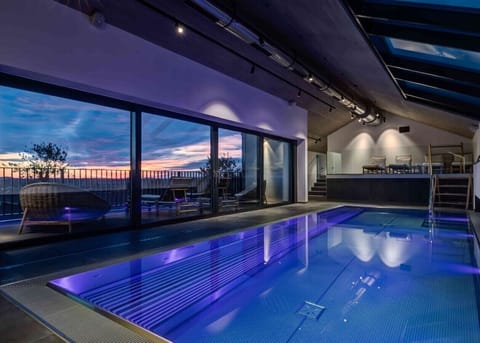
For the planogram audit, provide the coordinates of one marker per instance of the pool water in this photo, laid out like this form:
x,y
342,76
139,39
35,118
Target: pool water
x,y
345,275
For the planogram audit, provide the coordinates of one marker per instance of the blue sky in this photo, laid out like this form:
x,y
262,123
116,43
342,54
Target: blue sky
x,y
98,136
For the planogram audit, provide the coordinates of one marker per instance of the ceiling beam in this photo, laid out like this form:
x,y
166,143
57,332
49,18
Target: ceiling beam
x,y
452,17
434,69
436,81
420,33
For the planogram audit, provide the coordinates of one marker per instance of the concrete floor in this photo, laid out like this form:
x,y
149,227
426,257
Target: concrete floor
x,y
32,312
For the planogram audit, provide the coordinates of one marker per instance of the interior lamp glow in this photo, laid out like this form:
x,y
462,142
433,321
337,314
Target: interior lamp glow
x,y
179,28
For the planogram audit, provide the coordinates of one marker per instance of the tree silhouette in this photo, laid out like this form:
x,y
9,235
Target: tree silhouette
x,y
45,158
226,166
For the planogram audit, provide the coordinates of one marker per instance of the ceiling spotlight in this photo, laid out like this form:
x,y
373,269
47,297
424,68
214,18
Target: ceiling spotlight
x,y
359,120
352,116
179,28
310,78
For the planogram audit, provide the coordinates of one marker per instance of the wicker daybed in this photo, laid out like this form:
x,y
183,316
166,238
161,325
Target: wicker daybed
x,y
47,203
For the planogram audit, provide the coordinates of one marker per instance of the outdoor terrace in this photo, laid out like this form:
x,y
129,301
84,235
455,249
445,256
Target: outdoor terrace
x,y
113,186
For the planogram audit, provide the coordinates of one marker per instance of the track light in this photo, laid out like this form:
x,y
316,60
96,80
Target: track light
x,y
179,28
277,54
370,117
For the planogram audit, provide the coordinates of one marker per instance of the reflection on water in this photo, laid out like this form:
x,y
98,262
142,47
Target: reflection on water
x,y
222,288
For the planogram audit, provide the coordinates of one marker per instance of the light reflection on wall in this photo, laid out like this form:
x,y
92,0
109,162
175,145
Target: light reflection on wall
x,y
265,126
362,141
221,110
390,139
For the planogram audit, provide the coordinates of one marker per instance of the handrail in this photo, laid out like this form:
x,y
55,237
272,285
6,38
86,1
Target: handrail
x,y
431,200
460,154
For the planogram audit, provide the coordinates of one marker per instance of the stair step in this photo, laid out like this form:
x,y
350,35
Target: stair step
x,y
451,202
452,186
454,194
317,193
318,197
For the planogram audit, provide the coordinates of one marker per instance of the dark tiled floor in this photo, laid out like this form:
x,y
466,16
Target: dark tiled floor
x,y
17,326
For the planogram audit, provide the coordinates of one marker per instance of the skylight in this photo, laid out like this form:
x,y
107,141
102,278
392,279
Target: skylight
x,y
429,47
455,3
441,54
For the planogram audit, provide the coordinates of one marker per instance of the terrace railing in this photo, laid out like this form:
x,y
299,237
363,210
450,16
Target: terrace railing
x,y
110,184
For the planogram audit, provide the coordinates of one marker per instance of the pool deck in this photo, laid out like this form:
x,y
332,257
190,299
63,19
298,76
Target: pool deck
x,y
32,312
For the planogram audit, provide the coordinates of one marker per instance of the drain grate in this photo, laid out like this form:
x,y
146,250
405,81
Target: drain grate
x,y
311,310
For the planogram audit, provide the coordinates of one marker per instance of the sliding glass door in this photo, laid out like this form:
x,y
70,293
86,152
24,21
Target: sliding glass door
x,y
174,176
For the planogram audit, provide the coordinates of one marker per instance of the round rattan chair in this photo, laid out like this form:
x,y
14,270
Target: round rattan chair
x,y
47,203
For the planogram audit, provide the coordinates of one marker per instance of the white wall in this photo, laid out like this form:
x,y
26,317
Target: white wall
x,y
476,144
50,42
357,143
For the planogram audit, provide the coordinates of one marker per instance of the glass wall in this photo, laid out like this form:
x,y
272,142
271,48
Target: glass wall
x,y
175,159
277,169
69,166
63,163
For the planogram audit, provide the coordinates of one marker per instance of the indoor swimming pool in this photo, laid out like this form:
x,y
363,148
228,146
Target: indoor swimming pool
x,y
349,274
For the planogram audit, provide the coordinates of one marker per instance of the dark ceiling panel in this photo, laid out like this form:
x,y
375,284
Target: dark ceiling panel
x,y
441,104
454,18
420,33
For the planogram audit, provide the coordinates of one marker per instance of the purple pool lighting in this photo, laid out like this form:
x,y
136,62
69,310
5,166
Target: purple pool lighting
x,y
160,291
306,277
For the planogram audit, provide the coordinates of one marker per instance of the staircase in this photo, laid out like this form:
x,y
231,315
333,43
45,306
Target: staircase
x,y
452,191
319,189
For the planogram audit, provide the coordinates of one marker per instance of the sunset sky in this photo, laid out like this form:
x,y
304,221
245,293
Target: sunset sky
x,y
98,137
